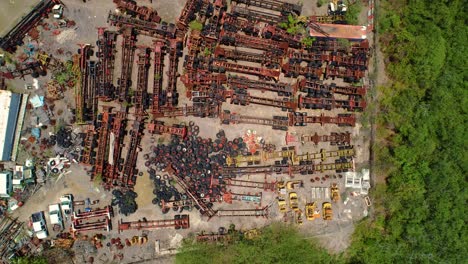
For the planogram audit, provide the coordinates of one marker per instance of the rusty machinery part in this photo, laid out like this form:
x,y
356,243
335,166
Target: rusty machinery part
x,y
104,124
233,39
353,103
178,222
318,90
302,119
240,82
266,58
340,165
15,36
106,55
263,16
334,138
259,212
105,212
159,53
188,13
280,6
148,28
98,225
140,97
277,122
157,127
128,53
142,12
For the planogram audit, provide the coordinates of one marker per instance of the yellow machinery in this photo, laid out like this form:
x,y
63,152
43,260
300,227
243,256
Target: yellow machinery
x,y
293,184
281,205
299,217
252,234
293,201
138,240
280,187
310,211
327,211
335,193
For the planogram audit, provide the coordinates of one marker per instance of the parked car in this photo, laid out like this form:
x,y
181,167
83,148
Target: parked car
x,y
55,215
39,225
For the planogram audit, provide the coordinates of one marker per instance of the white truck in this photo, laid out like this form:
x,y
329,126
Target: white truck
x,y
39,225
66,202
55,215
57,10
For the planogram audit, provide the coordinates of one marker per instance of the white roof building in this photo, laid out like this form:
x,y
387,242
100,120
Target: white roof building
x,y
6,186
13,108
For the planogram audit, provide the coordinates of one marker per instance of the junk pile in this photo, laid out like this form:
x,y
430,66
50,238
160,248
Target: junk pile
x,y
125,201
194,160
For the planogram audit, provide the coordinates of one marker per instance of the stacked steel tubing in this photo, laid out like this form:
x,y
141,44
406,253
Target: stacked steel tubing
x,y
274,32
257,15
188,13
14,37
246,99
302,169
194,44
106,211
89,141
151,29
130,171
266,186
232,39
104,129
159,52
143,12
265,58
277,122
113,170
301,119
295,70
310,87
98,225
275,5
202,78
246,83
179,222
195,110
173,74
261,212
83,96
142,81
205,209
351,104
351,75
334,138
128,53
106,52
211,29
158,128
222,66
234,24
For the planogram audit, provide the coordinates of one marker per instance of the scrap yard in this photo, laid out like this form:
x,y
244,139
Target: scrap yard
x,y
139,128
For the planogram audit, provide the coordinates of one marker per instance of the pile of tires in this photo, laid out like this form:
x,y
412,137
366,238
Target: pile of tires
x,y
125,201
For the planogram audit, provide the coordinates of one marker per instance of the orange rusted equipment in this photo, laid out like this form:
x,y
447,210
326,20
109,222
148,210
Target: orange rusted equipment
x,y
232,39
223,66
101,225
258,212
334,138
266,186
128,53
243,98
276,5
263,16
277,122
350,75
327,90
265,58
143,12
188,13
179,222
301,119
159,52
105,124
158,127
240,82
351,104
105,212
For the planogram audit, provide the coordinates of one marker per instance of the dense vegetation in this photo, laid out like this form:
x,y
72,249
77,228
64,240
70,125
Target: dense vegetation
x,y
420,212
277,244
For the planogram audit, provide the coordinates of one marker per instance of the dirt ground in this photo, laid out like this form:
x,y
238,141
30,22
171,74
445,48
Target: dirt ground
x,y
334,235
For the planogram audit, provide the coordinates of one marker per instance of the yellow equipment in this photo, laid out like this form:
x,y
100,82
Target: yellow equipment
x,y
281,205
335,193
293,184
310,211
327,211
293,201
299,217
251,234
280,187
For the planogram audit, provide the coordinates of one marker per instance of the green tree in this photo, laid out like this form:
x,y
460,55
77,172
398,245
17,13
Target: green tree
x,y
196,25
29,260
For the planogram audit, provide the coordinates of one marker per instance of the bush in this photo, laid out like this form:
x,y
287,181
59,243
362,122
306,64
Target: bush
x,y
196,25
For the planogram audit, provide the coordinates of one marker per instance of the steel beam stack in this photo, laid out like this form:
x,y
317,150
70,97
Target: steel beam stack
x,y
188,13
340,139
266,58
140,97
106,55
239,82
128,53
148,28
143,12
223,66
104,124
351,104
232,39
178,222
277,122
159,52
275,5
317,89
262,16
301,119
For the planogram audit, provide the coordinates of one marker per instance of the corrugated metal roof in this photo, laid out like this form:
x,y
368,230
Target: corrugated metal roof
x,y
12,103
